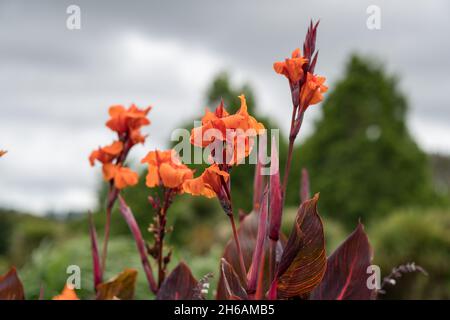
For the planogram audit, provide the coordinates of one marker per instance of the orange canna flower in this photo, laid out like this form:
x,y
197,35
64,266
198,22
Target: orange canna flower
x,y
3,152
128,121
67,294
209,184
312,90
291,68
215,125
123,177
166,167
106,154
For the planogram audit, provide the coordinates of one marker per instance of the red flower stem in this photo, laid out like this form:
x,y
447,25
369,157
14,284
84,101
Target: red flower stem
x,y
162,214
238,247
230,214
295,128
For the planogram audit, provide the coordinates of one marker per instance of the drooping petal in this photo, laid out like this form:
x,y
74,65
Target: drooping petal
x,y
109,171
152,179
125,177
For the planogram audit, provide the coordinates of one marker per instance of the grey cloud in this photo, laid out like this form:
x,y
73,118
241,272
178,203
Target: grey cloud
x,y
56,82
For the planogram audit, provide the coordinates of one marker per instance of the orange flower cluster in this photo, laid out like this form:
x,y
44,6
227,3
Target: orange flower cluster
x,y
127,123
313,86
236,130
165,167
292,68
312,90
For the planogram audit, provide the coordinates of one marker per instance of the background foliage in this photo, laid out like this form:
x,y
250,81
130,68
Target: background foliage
x,y
360,157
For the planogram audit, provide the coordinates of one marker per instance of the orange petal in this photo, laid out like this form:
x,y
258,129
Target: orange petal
x,y
152,179
197,187
280,67
125,177
94,156
296,53
171,177
109,171
67,294
116,110
114,149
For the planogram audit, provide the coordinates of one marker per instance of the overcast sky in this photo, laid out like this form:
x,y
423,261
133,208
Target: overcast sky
x,y
56,84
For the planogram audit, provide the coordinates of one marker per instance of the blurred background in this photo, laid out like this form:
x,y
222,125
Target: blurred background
x,y
377,148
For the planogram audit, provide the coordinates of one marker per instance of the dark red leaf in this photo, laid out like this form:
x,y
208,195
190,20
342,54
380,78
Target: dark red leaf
x,y
258,183
97,270
346,274
120,287
179,285
232,285
247,233
258,254
276,199
303,262
11,287
260,289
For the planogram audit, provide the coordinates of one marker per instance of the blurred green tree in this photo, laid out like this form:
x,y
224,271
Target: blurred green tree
x,y
361,156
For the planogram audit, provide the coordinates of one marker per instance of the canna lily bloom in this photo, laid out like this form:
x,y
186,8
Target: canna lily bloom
x,y
291,68
128,121
67,294
106,154
2,153
165,167
216,125
122,176
312,90
209,184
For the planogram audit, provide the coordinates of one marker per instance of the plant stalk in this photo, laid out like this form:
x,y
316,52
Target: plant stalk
x,y
238,247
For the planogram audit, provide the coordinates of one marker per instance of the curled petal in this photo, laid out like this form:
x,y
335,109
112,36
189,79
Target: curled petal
x,y
106,154
209,184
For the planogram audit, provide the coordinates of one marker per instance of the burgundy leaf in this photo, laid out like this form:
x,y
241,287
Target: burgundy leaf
x,y
120,287
303,262
346,273
11,287
276,199
304,187
258,184
258,254
260,289
272,294
97,270
247,233
312,65
132,224
179,285
232,285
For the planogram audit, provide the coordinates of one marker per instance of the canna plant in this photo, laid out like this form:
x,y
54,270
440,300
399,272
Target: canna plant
x,y
259,261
